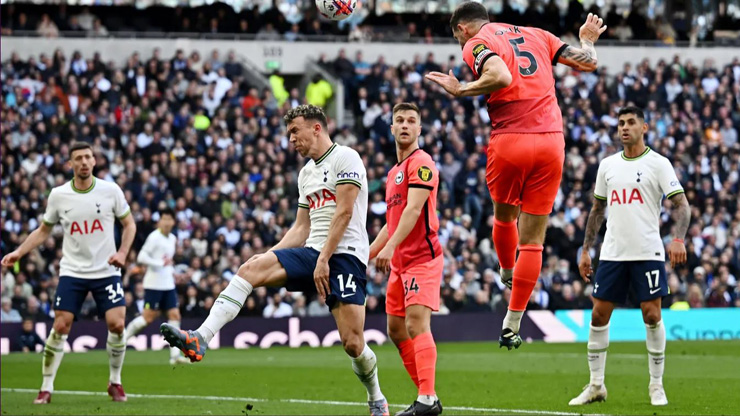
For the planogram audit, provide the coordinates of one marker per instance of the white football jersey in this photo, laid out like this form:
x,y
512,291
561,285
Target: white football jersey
x,y
88,218
317,188
633,189
152,254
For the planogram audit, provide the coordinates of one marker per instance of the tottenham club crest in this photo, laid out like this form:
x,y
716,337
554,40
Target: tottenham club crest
x,y
399,177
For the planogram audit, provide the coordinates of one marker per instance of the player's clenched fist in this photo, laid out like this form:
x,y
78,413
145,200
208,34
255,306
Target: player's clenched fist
x,y
584,266
676,253
592,29
10,259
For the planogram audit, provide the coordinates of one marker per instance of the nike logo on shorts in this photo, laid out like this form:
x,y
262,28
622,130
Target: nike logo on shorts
x,y
654,291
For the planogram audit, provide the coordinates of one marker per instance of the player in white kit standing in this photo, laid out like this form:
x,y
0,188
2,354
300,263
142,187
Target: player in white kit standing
x,y
632,183
159,281
326,250
87,209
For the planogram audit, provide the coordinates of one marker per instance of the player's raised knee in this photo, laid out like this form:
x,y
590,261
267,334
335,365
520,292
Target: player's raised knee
x,y
651,316
62,326
117,327
353,345
397,332
599,318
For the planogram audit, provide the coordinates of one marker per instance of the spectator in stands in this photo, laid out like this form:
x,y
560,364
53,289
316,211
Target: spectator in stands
x,y
319,91
8,314
47,28
29,339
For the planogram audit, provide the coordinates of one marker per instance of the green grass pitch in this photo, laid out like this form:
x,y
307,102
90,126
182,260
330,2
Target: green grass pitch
x,y
472,378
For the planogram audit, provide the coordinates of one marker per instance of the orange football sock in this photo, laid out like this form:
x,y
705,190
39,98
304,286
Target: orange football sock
x,y
406,349
526,273
505,240
426,362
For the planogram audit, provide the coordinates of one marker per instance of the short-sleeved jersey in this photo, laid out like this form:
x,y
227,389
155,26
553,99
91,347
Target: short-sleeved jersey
x,y
317,189
528,104
421,245
88,218
152,254
633,189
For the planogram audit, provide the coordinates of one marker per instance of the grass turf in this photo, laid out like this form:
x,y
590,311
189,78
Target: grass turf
x,y
702,377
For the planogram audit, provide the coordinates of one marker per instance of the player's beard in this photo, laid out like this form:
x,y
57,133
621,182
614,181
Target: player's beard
x,y
82,175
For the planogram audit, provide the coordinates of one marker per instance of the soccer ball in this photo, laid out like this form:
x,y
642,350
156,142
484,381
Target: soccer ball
x,y
336,9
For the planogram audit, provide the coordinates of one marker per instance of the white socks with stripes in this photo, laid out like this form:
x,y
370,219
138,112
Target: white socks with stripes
x,y
226,307
655,341
365,367
135,326
53,354
598,343
116,347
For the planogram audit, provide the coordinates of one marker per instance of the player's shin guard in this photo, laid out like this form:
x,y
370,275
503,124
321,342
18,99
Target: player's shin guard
x,y
135,326
365,367
526,273
505,240
656,351
226,307
426,362
174,352
53,354
598,343
408,356
116,348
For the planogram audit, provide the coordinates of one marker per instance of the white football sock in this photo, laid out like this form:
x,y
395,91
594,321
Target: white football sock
x,y
174,352
116,348
598,343
512,320
53,354
226,307
426,399
655,341
366,369
135,326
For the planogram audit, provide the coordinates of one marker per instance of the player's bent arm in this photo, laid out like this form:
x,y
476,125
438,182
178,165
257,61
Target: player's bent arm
x,y
346,196
494,77
129,232
682,214
298,233
595,219
582,59
35,239
416,199
379,243
146,258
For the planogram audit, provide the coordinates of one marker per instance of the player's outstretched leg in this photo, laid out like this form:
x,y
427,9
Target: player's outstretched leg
x,y
350,319
259,271
53,354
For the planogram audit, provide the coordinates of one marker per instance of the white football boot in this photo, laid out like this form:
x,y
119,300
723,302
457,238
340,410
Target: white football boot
x,y
590,394
657,395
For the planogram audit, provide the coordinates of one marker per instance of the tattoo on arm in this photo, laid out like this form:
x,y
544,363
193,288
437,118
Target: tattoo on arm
x,y
584,57
595,219
682,214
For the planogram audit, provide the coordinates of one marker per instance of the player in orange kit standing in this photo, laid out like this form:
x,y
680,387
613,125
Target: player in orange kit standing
x,y
513,66
408,245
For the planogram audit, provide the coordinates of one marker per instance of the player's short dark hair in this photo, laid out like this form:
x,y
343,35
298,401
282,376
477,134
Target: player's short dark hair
x,y
308,112
167,211
79,146
469,11
406,106
637,111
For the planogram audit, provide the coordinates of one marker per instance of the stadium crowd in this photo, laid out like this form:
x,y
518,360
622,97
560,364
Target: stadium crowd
x,y
193,135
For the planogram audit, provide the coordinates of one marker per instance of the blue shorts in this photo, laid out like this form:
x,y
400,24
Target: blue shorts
x,y
346,274
646,279
160,300
72,291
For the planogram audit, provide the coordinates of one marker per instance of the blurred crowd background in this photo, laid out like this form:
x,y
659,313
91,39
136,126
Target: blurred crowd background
x,y
191,133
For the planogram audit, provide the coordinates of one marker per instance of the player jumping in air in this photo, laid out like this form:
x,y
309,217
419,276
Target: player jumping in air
x,y
632,183
159,280
87,209
326,248
513,65
408,244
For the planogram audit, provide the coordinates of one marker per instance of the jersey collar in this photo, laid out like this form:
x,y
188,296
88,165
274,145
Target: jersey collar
x,y
326,154
83,191
407,157
632,159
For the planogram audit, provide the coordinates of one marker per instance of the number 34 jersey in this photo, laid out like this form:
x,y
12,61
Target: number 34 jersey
x,y
317,189
528,104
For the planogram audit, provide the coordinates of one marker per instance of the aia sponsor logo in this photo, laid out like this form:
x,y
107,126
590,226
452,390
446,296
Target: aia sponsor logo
x,y
85,227
318,200
624,197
